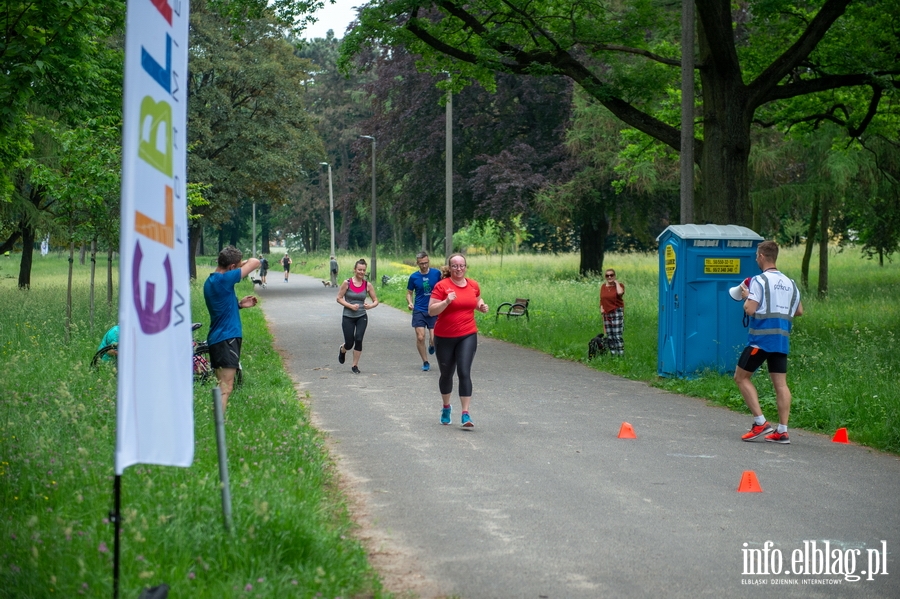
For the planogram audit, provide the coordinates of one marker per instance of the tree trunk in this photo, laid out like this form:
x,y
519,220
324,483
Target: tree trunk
x,y
109,280
93,274
823,251
265,243
724,197
27,256
69,287
195,234
810,241
594,228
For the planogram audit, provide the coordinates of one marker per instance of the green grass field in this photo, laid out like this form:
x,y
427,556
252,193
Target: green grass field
x,y
293,536
844,359
293,532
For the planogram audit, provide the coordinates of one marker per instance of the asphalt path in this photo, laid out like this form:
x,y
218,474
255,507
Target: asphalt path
x,y
543,499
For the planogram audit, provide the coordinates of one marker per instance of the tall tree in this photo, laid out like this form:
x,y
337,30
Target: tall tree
x,y
506,144
781,60
249,135
55,55
340,106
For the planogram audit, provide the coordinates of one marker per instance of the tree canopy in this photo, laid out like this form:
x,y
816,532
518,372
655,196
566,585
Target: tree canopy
x,y
768,62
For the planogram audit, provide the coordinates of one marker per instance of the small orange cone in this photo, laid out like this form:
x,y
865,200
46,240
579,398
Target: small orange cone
x,y
749,483
840,436
626,431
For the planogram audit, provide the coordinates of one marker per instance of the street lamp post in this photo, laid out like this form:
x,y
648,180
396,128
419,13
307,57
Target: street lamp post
x,y
374,275
330,204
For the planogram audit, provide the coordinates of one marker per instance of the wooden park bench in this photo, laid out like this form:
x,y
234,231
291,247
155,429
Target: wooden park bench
x,y
516,308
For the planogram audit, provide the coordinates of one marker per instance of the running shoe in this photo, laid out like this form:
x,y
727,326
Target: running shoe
x,y
467,421
777,437
426,366
355,370
756,431
342,355
431,349
445,415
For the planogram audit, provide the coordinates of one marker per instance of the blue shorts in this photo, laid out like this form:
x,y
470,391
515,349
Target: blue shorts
x,y
422,319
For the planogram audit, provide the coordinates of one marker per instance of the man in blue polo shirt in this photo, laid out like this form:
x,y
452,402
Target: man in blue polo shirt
x,y
421,283
225,331
772,301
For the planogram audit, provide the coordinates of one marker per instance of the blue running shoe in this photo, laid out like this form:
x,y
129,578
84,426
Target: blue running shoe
x,y
431,349
426,366
467,421
445,415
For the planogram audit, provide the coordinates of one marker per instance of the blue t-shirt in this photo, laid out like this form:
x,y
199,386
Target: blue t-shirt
x,y
422,285
218,291
111,336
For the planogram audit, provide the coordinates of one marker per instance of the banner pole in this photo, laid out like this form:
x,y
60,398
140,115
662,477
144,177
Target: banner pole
x,y
223,456
114,516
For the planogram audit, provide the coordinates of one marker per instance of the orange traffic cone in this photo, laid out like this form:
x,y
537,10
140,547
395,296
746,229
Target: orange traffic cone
x,y
840,436
749,483
626,431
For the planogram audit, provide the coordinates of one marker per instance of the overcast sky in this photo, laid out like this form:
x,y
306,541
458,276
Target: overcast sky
x,y
334,16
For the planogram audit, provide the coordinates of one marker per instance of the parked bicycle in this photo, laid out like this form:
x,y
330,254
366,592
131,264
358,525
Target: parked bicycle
x,y
199,357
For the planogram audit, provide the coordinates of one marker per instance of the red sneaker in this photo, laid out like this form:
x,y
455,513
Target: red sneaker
x,y
777,437
756,431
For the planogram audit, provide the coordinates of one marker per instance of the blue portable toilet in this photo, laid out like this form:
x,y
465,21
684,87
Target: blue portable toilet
x,y
700,325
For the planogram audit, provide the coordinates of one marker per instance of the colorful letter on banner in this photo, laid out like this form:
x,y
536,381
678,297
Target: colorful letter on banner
x,y
155,414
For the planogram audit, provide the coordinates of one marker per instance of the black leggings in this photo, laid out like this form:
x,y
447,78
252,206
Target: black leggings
x,y
456,353
354,331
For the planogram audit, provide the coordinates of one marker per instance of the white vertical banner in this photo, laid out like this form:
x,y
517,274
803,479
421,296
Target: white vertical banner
x,y
155,418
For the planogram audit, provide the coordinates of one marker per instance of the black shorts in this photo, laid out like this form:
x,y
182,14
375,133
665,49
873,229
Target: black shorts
x,y
753,358
225,354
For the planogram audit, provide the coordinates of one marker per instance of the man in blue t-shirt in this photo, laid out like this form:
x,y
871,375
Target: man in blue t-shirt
x,y
421,283
225,332
771,301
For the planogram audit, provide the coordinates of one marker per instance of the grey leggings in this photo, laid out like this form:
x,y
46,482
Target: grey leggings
x,y
456,354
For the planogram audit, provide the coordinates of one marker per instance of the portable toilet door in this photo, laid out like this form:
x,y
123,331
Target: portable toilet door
x,y
700,325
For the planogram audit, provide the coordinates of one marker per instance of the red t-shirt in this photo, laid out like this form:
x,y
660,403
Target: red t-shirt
x,y
611,300
458,318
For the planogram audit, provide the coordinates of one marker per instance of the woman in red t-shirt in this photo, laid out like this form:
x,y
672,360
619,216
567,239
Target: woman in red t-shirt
x,y
612,307
454,300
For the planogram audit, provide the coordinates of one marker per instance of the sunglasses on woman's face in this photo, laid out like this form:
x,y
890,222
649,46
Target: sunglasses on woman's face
x,y
609,276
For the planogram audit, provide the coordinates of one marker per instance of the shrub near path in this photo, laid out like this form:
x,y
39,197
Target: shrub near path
x,y
844,351
293,535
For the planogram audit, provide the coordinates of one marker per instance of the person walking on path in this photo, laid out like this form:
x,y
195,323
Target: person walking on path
x,y
286,263
352,296
225,331
421,283
771,301
454,300
612,309
333,269
263,269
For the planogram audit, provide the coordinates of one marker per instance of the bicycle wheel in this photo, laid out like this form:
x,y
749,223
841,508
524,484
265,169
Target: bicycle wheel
x,y
98,356
201,366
